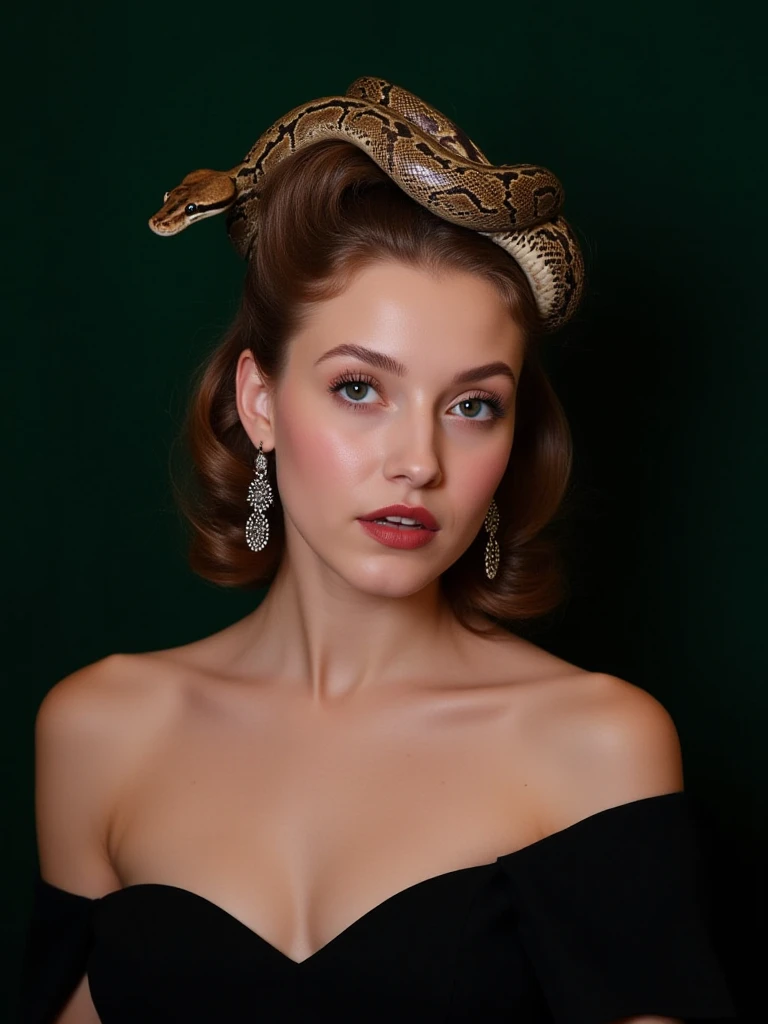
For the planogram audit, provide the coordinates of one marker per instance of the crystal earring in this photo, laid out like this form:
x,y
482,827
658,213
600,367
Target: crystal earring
x,y
492,547
260,497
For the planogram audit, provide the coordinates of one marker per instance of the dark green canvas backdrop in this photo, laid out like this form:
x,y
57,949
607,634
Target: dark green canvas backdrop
x,y
652,115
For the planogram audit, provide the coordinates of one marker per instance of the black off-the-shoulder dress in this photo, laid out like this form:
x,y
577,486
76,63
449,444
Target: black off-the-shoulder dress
x,y
598,921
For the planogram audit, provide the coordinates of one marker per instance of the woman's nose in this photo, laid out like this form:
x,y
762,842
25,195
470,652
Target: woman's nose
x,y
412,451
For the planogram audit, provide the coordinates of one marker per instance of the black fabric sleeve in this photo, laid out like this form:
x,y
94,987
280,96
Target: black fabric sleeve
x,y
611,917
58,941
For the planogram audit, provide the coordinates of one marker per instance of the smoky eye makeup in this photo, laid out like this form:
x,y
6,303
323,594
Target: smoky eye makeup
x,y
493,399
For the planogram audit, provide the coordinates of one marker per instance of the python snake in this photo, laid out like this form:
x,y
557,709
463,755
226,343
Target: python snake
x,y
430,158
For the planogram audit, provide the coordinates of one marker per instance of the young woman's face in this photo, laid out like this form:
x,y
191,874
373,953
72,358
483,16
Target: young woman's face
x,y
382,421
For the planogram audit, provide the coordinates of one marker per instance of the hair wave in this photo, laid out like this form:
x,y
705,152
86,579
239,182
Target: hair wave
x,y
324,213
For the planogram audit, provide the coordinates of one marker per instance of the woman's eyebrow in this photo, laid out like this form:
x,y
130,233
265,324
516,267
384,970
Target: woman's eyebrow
x,y
395,367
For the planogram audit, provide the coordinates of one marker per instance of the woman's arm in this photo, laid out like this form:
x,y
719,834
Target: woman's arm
x,y
75,769
620,744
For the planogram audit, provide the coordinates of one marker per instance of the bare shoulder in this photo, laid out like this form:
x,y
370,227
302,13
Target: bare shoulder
x,y
90,729
101,701
608,742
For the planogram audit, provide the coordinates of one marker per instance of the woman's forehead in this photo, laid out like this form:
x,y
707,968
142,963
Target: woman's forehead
x,y
412,307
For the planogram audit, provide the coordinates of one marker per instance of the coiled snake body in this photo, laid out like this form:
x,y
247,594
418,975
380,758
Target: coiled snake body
x,y
430,158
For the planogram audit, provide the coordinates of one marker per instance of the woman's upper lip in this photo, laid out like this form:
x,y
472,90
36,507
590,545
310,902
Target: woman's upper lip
x,y
417,512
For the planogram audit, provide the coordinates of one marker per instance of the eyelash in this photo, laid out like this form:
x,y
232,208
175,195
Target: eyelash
x,y
493,399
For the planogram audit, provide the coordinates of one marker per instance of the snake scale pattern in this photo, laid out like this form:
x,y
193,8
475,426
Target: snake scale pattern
x,y
430,158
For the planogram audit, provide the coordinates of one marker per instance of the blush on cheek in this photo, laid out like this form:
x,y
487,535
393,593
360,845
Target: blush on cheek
x,y
482,476
316,467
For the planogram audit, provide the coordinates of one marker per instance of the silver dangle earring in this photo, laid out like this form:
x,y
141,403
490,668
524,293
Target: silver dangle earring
x,y
492,547
260,496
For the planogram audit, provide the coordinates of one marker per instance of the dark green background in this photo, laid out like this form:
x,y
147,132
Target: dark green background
x,y
652,115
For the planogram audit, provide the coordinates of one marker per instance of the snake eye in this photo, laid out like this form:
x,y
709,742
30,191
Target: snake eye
x,y
190,208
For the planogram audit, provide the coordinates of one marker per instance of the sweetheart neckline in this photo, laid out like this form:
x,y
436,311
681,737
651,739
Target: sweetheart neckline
x,y
258,937
363,918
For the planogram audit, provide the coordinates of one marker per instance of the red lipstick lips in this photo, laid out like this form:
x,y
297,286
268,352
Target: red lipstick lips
x,y
417,512
393,535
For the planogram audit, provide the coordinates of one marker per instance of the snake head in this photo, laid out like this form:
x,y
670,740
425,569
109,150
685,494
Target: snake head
x,y
200,194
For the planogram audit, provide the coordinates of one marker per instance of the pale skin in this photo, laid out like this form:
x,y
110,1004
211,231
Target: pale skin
x,y
346,739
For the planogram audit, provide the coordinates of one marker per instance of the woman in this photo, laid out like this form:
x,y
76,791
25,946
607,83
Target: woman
x,y
370,799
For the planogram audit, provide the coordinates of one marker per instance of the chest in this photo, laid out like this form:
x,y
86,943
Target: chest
x,y
299,823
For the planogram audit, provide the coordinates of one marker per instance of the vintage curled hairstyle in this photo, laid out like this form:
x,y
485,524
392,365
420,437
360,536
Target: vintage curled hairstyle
x,y
325,212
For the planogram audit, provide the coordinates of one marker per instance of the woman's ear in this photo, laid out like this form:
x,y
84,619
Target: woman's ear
x,y
254,401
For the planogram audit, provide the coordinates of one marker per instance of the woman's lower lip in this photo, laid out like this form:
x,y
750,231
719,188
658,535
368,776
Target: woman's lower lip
x,y
395,537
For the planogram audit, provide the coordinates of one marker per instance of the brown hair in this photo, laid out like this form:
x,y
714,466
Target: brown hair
x,y
324,213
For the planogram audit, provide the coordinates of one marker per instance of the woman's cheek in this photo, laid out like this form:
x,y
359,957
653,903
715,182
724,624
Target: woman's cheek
x,y
485,474
479,467
316,457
